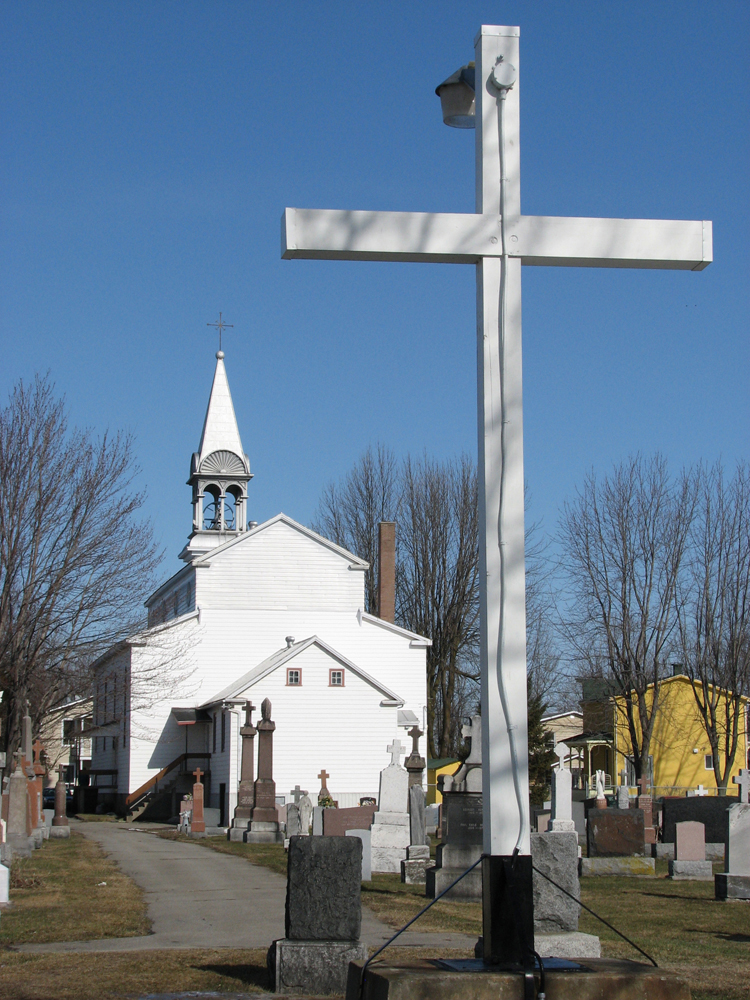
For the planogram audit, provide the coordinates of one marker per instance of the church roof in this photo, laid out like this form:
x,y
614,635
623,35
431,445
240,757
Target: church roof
x,y
283,656
220,430
242,539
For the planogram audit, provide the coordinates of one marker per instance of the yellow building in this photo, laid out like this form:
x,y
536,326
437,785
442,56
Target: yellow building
x,y
435,768
680,751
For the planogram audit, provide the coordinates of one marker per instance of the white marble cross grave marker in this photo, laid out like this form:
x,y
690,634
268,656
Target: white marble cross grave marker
x,y
743,780
395,750
498,240
561,752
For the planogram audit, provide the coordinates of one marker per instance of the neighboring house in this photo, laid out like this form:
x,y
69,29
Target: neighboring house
x,y
65,735
562,726
680,753
259,611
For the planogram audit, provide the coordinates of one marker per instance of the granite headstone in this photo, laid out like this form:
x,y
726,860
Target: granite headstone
x,y
615,833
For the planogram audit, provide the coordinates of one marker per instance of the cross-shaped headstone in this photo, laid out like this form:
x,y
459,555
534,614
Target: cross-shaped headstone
x,y
324,776
644,784
37,747
297,792
700,790
62,770
415,732
743,780
395,750
624,776
561,752
498,240
197,772
249,709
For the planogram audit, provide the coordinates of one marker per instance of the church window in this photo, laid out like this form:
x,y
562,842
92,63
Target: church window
x,y
223,730
176,603
294,677
335,678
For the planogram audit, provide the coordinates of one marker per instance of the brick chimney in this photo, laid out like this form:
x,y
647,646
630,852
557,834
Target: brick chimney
x,y
387,571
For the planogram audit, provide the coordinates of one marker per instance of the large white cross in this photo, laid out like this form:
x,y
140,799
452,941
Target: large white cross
x,y
498,253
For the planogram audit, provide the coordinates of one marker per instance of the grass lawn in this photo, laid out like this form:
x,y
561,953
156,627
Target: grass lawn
x,y
57,895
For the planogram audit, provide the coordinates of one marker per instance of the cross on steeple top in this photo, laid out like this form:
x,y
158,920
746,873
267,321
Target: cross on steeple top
x,y
220,325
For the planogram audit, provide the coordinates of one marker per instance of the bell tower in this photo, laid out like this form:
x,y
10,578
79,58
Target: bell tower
x,y
219,474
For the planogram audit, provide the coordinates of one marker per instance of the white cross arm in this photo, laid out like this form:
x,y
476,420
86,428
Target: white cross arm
x,y
330,234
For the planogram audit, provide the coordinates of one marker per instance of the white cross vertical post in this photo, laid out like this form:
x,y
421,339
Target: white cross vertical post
x,y
498,247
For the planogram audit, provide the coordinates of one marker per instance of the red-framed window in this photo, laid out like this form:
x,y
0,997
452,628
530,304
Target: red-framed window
x,y
293,677
336,678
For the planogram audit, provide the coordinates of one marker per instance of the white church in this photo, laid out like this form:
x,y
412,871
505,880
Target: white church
x,y
269,610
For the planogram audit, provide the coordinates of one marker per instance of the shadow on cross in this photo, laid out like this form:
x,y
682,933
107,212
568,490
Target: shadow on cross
x,y
248,974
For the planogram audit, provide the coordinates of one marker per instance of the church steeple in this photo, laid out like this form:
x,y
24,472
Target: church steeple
x,y
219,473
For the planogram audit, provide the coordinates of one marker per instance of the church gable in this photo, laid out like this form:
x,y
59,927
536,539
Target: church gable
x,y
280,565
311,664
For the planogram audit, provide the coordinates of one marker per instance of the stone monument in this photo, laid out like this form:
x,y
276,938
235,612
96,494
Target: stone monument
x,y
305,814
468,778
646,803
562,796
323,917
623,791
616,844
390,824
60,827
418,852
246,791
198,819
690,854
555,914
324,796
264,826
601,800
18,833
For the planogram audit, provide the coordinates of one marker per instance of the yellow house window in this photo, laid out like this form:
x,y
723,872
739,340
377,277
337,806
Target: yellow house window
x,y
708,762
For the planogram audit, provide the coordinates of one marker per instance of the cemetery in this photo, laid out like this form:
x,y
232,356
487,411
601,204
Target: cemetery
x,y
308,845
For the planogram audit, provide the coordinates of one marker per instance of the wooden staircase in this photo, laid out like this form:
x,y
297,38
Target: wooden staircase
x,y
155,789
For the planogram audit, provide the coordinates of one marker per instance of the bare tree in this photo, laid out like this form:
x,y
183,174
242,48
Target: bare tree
x,y
349,513
715,610
623,541
74,560
438,585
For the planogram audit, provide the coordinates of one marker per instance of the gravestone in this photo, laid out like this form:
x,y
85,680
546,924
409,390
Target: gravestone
x,y
690,854
390,824
18,831
734,882
743,780
293,825
615,833
305,814
555,855
468,778
246,789
323,795
4,886
623,791
365,837
417,860
710,810
60,828
562,795
197,818
460,847
323,917
601,801
646,803
317,821
264,825
337,821
616,844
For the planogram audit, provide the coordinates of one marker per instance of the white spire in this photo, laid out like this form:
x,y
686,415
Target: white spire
x,y
220,431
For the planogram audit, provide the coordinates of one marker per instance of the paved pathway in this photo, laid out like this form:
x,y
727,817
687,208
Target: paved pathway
x,y
198,898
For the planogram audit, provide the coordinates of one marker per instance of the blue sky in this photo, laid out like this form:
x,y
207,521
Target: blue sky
x,y
151,147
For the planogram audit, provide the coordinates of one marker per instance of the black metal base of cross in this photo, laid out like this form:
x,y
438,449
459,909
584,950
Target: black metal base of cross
x,y
508,911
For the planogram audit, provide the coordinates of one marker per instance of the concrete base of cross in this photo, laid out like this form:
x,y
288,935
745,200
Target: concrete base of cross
x,y
600,977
